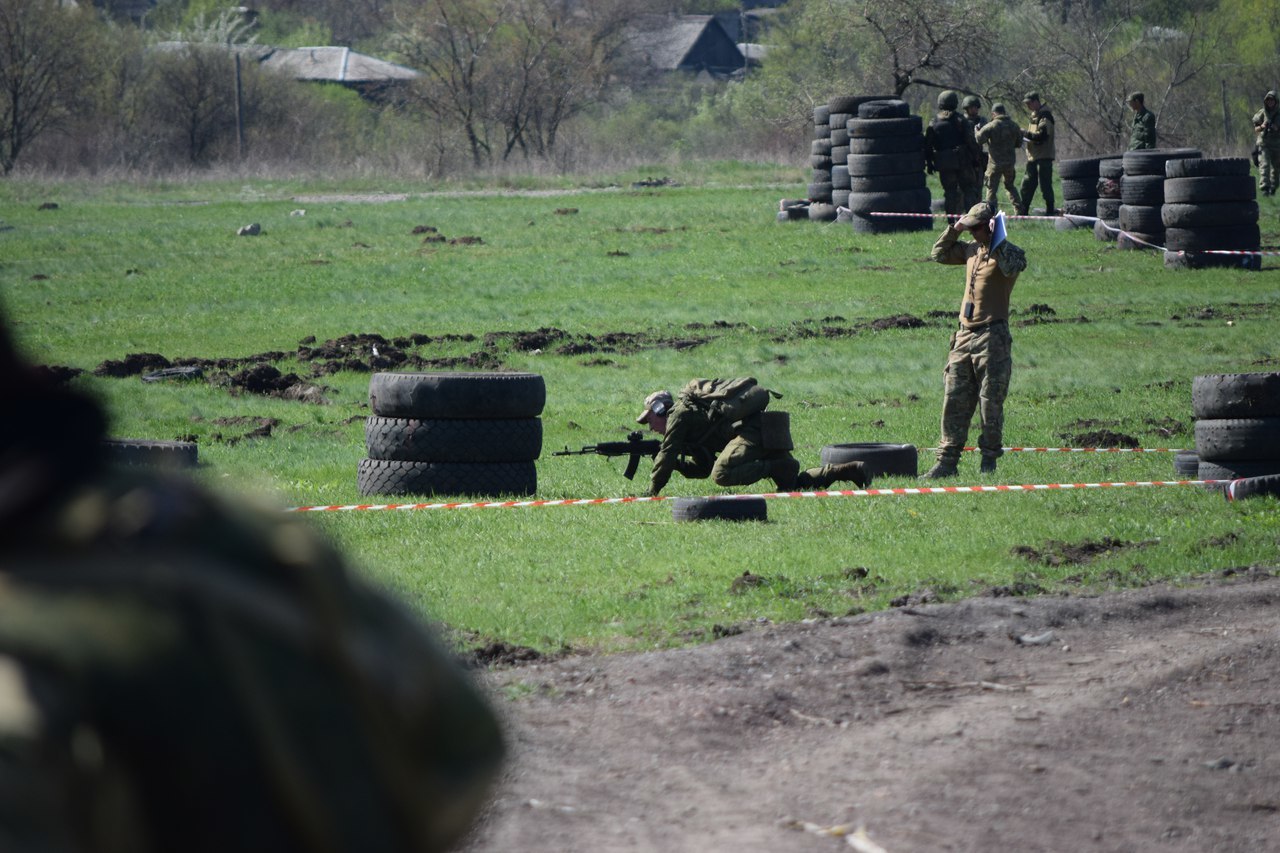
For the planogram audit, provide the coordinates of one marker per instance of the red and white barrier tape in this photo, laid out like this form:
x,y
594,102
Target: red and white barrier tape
x,y
831,493
1081,449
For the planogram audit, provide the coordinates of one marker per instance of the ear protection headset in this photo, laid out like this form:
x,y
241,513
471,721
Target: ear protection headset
x,y
659,408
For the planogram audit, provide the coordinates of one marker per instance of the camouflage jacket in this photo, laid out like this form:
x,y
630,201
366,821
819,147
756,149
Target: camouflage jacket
x,y
1039,135
1267,126
1002,136
1143,133
989,275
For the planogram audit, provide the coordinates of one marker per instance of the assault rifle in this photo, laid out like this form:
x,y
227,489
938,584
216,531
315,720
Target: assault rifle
x,y
634,446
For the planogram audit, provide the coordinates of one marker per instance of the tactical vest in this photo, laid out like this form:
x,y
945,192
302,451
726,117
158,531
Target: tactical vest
x,y
946,140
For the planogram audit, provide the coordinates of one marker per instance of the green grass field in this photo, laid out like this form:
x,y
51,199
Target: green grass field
x,y
707,283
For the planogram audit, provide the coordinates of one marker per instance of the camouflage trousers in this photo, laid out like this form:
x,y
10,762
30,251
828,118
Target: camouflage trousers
x,y
1039,173
745,460
976,379
1268,168
1009,176
959,190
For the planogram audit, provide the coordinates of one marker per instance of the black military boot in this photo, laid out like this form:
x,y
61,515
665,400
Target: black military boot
x,y
784,472
942,468
822,478
988,465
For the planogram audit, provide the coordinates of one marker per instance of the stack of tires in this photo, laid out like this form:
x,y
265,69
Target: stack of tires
x,y
151,453
1079,192
820,207
1110,173
1210,204
1237,425
453,434
886,169
1142,196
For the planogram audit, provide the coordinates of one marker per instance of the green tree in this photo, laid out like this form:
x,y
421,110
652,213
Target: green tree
x,y
47,70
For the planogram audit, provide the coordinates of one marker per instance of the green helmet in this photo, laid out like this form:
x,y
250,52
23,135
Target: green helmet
x,y
970,101
948,100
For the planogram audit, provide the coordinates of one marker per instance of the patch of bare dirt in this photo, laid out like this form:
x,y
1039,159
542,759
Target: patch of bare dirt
x,y
1139,720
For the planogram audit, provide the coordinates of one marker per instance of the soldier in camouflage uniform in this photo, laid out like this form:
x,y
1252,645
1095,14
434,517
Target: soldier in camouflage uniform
x,y
972,108
1266,124
1040,155
951,151
980,360
1001,136
698,441
1143,134
178,673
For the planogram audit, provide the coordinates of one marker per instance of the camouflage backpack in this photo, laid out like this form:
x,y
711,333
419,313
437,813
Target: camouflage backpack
x,y
729,400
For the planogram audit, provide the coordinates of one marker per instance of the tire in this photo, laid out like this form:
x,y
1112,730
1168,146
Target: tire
x,y
393,477
1235,469
1087,207
839,136
902,201
822,176
840,177
1236,238
838,120
1138,241
454,440
822,212
1140,218
885,144
141,451
839,153
840,198
850,103
1085,169
865,127
889,108
1236,395
821,131
457,395
1237,438
1111,167
1205,189
820,191
1108,188
887,183
885,164
821,146
1253,487
822,116
1207,167
1145,190
1219,214
880,458
1108,208
863,224
727,509
1187,462
1151,161
1105,231
820,161
1080,187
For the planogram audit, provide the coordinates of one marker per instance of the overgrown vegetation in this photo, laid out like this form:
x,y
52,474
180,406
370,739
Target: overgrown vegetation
x,y
610,291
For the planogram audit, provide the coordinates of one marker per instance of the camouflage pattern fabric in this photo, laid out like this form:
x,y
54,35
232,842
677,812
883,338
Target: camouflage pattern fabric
x,y
1039,174
1143,134
953,152
976,378
1266,124
1039,135
1002,137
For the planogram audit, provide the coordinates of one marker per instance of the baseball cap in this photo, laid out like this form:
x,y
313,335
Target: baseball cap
x,y
1137,96
1030,96
657,403
998,108
978,214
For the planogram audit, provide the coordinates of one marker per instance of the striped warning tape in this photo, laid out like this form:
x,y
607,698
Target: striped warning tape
x,y
1081,449
831,493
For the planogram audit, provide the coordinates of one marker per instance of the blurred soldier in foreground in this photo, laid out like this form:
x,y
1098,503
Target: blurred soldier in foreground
x,y
1002,136
178,674
980,360
1143,134
1039,138
1266,124
717,428
973,114
951,151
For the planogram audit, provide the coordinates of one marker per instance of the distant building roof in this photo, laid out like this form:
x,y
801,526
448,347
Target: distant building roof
x,y
336,65
686,43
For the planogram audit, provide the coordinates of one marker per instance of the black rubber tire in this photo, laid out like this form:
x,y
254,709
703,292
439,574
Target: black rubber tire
x,y
840,177
820,191
885,144
821,131
1236,395
1105,231
1080,187
821,211
1187,463
820,161
840,198
889,108
726,509
1207,167
821,176
1236,238
1109,188
1140,218
901,201
822,115
490,479
865,127
885,164
850,103
1085,169
887,183
1145,190
1086,207
1219,214
839,153
457,395
1151,161
839,136
1111,167
880,458
1233,469
1237,438
156,453
1138,241
1108,208
454,440
863,224
1206,189
1202,261
1253,487
821,146
838,119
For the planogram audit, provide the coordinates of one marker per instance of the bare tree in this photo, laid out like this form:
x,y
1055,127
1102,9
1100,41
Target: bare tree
x,y
46,70
931,43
